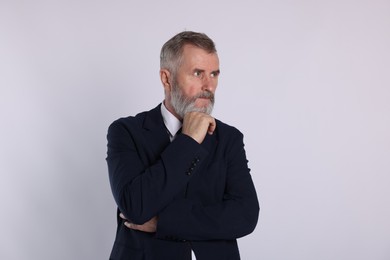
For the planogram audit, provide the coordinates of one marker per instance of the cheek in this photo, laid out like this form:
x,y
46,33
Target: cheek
x,y
191,88
194,92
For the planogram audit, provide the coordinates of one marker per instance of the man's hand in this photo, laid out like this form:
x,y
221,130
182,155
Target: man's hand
x,y
197,125
150,226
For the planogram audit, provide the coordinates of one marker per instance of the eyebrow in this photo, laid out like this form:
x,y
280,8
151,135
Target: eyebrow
x,y
215,71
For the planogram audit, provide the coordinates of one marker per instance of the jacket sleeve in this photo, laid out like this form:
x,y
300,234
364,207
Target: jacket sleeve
x,y
235,216
141,190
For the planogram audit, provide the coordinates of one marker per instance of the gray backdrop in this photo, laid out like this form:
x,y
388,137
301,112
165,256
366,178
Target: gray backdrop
x,y
307,82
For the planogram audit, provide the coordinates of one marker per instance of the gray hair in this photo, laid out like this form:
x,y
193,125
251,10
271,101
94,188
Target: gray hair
x,y
172,50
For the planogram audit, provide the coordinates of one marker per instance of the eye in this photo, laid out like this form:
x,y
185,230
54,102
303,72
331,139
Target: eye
x,y
197,73
214,74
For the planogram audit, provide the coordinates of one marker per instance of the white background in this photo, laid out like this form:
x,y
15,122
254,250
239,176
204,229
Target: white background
x,y
307,82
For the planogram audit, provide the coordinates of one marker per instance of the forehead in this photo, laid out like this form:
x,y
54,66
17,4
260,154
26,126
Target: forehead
x,y
193,56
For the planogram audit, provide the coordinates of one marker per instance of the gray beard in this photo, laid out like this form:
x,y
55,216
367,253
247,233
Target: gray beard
x,y
182,104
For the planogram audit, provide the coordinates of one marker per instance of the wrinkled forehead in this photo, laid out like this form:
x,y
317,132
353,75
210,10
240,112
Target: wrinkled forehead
x,y
193,56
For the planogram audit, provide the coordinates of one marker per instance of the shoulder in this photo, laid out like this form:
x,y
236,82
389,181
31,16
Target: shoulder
x,y
140,120
226,130
128,122
229,138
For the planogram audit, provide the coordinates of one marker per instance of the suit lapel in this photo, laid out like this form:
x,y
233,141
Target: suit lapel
x,y
155,132
157,137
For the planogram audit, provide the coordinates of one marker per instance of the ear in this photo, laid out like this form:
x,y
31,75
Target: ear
x,y
165,77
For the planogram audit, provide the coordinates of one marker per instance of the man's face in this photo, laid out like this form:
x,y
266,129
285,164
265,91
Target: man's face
x,y
195,83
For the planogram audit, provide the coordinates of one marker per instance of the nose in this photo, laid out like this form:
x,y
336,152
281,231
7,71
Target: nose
x,y
208,84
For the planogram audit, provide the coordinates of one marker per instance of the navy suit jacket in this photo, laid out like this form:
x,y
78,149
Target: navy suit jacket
x,y
203,194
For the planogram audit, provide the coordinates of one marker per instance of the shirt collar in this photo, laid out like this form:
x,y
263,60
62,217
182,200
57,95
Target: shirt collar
x,y
171,122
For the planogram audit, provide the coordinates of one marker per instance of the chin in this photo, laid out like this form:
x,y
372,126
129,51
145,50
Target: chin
x,y
203,109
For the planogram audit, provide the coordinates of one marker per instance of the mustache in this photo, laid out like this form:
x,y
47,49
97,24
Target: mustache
x,y
205,94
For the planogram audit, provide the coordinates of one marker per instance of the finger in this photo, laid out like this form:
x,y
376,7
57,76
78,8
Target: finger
x,y
122,216
212,127
131,225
